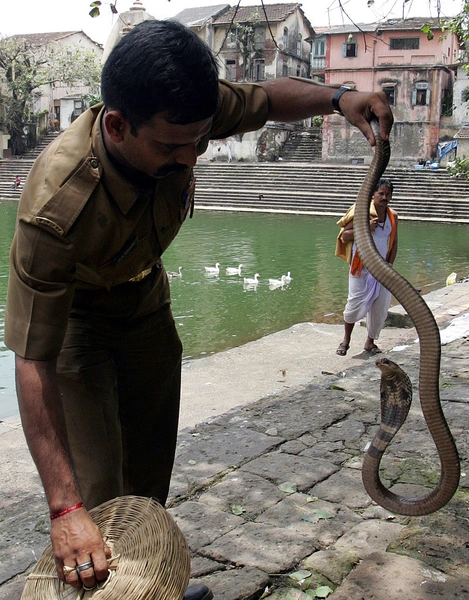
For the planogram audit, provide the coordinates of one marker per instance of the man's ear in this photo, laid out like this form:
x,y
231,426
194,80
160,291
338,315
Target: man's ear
x,y
116,125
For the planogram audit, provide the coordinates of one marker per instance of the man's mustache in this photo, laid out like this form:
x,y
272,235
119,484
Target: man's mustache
x,y
167,169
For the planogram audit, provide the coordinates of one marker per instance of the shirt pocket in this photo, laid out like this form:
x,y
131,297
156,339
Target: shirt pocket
x,y
136,255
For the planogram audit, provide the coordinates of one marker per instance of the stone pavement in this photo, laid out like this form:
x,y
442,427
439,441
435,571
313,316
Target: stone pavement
x,y
269,494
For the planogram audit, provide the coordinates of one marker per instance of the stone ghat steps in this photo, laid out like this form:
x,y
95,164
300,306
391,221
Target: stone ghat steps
x,y
288,174
327,189
302,147
303,188
293,203
9,169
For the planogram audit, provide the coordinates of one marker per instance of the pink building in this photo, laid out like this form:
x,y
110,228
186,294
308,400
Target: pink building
x,y
416,73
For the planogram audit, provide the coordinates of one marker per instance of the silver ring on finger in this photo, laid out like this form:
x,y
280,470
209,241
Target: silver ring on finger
x,y
84,567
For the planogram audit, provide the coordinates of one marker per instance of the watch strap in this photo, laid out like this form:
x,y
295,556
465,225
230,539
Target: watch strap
x,y
338,95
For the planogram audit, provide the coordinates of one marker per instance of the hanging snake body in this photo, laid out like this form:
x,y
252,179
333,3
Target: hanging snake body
x,y
396,388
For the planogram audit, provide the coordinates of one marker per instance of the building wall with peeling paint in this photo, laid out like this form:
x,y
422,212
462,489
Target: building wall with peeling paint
x,y
417,81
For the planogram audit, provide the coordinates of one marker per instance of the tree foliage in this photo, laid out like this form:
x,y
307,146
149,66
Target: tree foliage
x,y
245,38
25,67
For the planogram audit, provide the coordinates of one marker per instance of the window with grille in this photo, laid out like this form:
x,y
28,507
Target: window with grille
x,y
406,43
349,49
259,37
390,91
421,94
231,70
298,45
259,69
319,48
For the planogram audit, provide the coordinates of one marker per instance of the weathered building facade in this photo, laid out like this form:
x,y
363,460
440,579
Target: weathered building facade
x,y
416,73
47,98
54,101
254,44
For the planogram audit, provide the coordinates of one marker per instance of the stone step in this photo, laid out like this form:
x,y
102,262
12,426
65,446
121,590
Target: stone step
x,y
311,184
328,188
312,188
322,207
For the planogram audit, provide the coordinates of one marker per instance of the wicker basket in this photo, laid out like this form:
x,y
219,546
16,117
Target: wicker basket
x,y
150,555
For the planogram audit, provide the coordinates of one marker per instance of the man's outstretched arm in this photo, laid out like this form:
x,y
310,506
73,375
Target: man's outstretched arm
x,y
292,99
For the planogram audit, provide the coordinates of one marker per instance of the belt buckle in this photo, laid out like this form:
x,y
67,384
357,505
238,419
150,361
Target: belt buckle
x,y
141,275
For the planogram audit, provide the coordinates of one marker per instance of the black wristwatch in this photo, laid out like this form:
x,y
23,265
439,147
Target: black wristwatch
x,y
338,95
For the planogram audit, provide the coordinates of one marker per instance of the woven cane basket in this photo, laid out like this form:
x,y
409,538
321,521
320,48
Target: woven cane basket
x,y
150,557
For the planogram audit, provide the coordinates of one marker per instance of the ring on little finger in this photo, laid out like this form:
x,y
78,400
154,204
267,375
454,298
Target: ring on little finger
x,y
84,567
67,570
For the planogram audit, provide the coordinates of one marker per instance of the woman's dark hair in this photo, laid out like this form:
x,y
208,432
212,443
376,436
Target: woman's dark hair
x,y
384,182
160,66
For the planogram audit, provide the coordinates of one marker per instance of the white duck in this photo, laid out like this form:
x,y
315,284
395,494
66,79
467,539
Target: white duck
x,y
287,278
177,273
276,283
213,270
234,270
252,280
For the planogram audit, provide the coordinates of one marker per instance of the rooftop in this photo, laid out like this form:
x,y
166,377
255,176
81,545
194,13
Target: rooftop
x,y
197,17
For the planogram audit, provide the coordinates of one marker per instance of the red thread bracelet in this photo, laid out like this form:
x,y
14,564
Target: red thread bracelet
x,y
65,511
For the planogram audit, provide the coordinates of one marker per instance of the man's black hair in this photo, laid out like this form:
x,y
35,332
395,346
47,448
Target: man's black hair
x,y
384,182
160,66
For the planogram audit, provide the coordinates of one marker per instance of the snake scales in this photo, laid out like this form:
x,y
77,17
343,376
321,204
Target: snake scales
x,y
396,388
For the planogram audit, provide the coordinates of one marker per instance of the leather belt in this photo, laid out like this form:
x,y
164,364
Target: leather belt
x,y
141,275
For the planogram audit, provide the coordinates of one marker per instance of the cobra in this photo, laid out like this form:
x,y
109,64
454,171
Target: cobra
x,y
396,388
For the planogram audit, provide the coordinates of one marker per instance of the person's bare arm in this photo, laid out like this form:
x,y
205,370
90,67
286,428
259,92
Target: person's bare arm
x,y
75,537
292,99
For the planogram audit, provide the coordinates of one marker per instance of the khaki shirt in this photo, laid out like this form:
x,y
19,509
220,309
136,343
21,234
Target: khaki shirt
x,y
82,225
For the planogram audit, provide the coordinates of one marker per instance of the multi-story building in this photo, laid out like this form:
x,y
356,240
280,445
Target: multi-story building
x,y
54,102
254,44
414,68
48,97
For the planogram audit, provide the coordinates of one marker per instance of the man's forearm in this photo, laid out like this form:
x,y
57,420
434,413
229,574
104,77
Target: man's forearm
x,y
309,99
44,428
292,99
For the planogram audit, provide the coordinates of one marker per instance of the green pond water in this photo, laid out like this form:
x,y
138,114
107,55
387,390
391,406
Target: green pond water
x,y
217,313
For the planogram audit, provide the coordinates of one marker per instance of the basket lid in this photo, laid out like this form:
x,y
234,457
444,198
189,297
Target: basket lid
x,y
150,556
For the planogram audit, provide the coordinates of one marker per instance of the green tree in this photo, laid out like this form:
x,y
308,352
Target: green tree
x,y
244,35
25,67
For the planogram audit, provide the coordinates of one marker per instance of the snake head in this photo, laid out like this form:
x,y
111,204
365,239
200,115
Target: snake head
x,y
390,372
387,366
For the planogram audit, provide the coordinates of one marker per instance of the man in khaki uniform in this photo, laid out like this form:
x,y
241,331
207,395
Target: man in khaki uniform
x,y
98,358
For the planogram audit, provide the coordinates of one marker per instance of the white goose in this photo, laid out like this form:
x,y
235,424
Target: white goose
x,y
252,280
276,283
287,278
213,270
177,273
234,270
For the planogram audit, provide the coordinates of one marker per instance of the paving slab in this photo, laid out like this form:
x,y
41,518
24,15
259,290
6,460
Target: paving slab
x,y
258,428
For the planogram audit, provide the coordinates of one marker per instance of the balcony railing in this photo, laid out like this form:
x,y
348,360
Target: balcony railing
x,y
319,63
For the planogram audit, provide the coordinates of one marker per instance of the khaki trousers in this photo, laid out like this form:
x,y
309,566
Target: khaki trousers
x,y
119,376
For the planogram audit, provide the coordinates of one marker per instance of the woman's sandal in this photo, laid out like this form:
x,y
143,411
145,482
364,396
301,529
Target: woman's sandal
x,y
342,349
373,350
